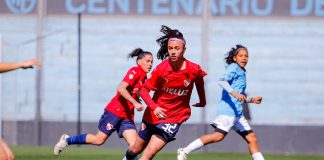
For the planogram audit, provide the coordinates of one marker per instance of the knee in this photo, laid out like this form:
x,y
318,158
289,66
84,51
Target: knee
x,y
251,138
133,149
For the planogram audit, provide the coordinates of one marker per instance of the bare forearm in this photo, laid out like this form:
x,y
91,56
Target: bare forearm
x,y
144,92
123,92
5,66
200,86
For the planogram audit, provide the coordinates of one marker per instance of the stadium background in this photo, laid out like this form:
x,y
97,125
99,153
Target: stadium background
x,y
284,37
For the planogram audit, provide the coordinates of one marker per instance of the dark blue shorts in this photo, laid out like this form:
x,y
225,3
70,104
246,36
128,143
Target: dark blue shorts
x,y
167,131
109,123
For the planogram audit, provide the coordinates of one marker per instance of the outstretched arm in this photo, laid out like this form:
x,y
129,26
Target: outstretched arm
x,y
9,66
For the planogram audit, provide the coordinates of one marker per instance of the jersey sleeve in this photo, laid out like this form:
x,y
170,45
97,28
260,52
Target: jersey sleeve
x,y
201,72
153,82
131,76
229,73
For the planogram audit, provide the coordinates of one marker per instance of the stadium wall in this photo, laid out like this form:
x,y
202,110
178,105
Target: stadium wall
x,y
272,139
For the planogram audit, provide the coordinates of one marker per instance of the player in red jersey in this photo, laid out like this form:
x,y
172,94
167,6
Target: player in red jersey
x,y
172,80
119,113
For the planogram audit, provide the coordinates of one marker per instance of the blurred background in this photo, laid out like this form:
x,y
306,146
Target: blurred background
x,y
83,45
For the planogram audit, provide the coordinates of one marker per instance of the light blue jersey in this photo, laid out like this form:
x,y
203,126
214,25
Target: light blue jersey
x,y
236,78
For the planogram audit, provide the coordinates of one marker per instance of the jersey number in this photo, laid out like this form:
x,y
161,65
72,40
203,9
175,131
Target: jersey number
x,y
169,128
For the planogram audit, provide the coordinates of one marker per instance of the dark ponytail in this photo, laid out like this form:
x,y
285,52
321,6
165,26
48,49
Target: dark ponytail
x,y
139,53
163,40
230,55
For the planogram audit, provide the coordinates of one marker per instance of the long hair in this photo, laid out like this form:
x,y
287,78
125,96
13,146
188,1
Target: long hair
x,y
139,53
229,58
163,40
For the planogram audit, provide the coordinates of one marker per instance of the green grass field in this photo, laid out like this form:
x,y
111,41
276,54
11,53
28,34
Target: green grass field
x,y
100,153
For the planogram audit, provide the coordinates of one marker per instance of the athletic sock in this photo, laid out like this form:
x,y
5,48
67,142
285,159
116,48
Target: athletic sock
x,y
79,139
193,146
257,156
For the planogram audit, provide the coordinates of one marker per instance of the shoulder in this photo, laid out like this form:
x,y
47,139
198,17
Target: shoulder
x,y
163,64
162,67
193,65
134,71
233,67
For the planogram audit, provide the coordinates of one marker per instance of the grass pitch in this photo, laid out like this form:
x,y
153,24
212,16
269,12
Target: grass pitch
x,y
100,153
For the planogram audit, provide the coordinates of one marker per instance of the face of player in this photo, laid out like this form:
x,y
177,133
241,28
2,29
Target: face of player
x,y
146,62
242,58
176,49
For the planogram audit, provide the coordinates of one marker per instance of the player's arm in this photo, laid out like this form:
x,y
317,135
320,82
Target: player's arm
x,y
7,66
122,90
200,86
226,86
151,84
256,100
157,110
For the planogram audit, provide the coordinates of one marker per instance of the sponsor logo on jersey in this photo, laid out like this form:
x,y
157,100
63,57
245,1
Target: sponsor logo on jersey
x,y
175,91
109,126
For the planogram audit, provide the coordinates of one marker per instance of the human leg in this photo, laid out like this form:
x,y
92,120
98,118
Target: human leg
x,y
107,125
5,151
144,135
254,148
136,148
222,125
155,144
243,128
200,142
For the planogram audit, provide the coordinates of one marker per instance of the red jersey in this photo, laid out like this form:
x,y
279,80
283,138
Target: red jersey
x,y
121,107
172,91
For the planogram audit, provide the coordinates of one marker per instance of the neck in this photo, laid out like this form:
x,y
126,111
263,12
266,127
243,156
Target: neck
x,y
178,65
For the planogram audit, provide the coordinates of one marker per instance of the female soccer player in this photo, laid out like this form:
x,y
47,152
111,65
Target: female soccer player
x,y
5,151
119,113
230,114
172,80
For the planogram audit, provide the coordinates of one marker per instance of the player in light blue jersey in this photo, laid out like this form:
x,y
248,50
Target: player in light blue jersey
x,y
230,110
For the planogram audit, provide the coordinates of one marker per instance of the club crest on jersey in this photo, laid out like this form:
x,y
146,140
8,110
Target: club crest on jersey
x,y
143,127
109,126
131,76
165,79
186,82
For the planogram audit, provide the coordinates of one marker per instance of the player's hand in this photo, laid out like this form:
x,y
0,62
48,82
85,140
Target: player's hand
x,y
238,96
256,100
159,113
30,64
138,106
200,104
